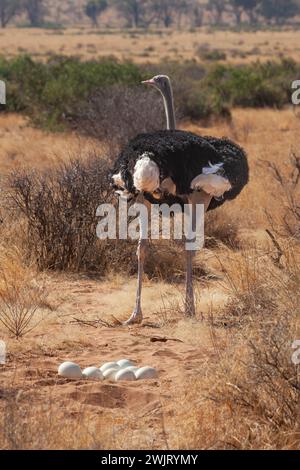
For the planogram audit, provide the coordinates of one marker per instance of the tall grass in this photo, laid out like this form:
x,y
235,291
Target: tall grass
x,y
246,393
22,294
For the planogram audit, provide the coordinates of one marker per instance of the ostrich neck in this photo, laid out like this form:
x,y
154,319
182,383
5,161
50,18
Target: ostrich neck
x,y
169,109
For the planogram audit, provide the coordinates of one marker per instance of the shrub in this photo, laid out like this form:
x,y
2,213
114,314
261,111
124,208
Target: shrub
x,y
54,94
60,211
198,104
221,228
59,208
210,55
247,393
256,85
118,114
288,188
192,99
50,92
250,395
21,294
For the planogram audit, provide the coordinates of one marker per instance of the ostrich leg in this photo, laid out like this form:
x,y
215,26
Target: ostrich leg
x,y
137,316
189,306
198,197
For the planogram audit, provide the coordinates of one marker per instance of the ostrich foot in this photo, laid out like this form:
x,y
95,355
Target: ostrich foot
x,y
136,318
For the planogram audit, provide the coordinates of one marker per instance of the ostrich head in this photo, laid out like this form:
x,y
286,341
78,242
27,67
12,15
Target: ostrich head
x,y
163,84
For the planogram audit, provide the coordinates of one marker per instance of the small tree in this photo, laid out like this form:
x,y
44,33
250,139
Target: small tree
x,y
94,8
132,10
251,7
168,11
35,10
237,9
278,10
197,14
247,6
217,7
8,9
164,11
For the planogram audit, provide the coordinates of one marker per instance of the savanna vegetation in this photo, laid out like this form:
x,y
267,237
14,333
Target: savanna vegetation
x,y
56,94
64,292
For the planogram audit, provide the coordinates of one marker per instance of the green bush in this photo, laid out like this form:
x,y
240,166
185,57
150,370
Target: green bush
x,y
51,92
205,91
210,55
255,85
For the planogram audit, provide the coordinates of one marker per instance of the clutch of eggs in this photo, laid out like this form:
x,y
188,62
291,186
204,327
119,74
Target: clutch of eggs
x,y
124,369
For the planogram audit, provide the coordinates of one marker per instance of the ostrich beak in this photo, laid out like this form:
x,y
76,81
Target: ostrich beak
x,y
149,82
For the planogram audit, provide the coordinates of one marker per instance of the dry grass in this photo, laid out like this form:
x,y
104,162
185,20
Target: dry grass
x,y
23,146
239,47
50,425
22,294
241,389
246,393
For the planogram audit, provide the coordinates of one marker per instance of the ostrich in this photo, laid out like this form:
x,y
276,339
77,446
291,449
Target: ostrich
x,y
177,166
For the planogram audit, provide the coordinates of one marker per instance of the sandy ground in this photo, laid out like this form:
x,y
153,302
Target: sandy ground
x,y
173,345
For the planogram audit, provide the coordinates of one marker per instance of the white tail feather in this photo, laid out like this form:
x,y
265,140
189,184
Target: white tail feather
x,y
215,185
211,169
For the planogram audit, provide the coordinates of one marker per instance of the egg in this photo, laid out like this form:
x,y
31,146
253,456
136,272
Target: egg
x,y
132,368
110,373
125,363
70,370
124,374
109,365
146,373
92,373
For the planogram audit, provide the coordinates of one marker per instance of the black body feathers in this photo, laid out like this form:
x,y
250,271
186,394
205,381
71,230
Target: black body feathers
x,y
182,156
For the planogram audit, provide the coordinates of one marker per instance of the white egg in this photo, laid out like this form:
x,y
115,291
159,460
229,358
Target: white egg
x,y
124,374
70,370
125,363
146,373
132,368
110,373
109,365
92,373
